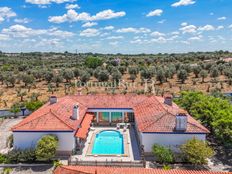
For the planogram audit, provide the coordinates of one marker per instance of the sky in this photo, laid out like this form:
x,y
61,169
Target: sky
x,y
115,26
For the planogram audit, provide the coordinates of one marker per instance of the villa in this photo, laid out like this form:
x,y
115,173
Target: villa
x,y
102,119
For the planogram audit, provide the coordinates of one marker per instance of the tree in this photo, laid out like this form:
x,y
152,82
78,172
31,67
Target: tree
x,y
68,75
15,108
214,113
162,154
10,79
85,76
203,75
214,72
196,71
57,79
21,94
146,74
133,70
48,75
35,96
46,148
182,75
116,75
103,75
160,75
27,79
196,151
93,62
132,77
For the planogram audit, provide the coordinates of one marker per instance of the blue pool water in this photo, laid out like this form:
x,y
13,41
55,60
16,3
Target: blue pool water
x,y
108,142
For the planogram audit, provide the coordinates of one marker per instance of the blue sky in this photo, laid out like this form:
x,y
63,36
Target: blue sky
x,y
115,26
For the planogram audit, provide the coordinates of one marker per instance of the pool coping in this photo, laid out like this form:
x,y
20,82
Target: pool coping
x,y
126,143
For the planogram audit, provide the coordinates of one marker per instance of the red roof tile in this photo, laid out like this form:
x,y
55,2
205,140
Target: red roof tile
x,y
85,125
114,170
151,114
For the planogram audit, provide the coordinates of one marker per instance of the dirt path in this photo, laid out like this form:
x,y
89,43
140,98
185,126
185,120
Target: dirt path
x,y
5,131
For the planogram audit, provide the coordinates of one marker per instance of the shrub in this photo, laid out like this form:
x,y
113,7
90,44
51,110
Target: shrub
x,y
3,159
33,105
163,154
46,148
196,151
25,156
7,170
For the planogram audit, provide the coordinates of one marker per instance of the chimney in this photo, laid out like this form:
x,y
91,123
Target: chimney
x,y
53,99
79,91
181,120
75,114
168,99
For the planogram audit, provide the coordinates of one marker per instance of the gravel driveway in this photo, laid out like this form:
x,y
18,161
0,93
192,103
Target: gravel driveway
x,y
32,170
5,132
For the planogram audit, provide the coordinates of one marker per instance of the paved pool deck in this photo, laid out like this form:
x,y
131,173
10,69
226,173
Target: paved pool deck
x,y
130,142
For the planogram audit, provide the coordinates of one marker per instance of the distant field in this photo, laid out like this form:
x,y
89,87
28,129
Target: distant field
x,y
36,75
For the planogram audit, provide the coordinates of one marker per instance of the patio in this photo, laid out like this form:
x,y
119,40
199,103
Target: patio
x,y
130,147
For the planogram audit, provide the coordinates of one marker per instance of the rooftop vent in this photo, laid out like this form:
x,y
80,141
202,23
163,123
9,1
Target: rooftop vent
x,y
168,99
53,99
181,120
75,114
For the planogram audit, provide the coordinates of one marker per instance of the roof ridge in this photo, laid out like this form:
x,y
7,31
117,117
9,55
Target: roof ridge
x,y
60,119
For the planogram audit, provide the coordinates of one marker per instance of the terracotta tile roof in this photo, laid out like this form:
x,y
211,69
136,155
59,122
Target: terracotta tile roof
x,y
85,125
154,116
114,170
151,114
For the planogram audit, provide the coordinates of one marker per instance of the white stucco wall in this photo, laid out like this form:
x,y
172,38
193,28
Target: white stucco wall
x,y
23,140
172,141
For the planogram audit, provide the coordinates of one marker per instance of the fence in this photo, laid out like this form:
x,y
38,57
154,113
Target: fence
x,y
7,113
107,163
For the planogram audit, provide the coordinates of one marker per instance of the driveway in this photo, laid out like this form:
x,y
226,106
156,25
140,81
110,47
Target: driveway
x,y
5,132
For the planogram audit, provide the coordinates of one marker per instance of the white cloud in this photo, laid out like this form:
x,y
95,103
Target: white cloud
x,y
23,21
196,38
4,37
90,32
133,30
157,34
89,24
157,12
115,43
206,28
24,32
222,18
72,6
72,16
220,27
6,13
183,3
188,29
162,21
230,26
108,14
183,24
211,14
114,37
108,28
159,40
137,41
175,33
43,2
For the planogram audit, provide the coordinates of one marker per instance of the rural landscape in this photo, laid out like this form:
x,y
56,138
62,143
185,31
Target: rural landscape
x,y
115,87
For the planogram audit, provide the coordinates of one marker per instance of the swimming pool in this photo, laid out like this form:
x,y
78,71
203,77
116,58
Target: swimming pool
x,y
108,142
